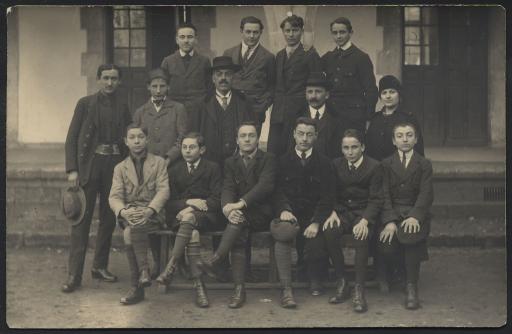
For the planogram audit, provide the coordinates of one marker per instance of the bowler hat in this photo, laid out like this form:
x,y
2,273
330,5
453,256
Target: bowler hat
x,y
224,62
283,230
318,79
389,81
73,204
157,73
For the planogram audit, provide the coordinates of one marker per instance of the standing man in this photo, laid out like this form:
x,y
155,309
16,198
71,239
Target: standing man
x,y
94,146
166,123
294,64
350,71
249,179
256,78
221,114
188,71
304,199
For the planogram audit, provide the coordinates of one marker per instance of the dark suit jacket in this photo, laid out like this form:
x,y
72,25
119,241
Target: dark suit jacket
x,y
354,92
256,79
165,128
379,142
83,137
358,193
208,124
306,191
254,184
205,183
330,131
407,193
191,83
291,77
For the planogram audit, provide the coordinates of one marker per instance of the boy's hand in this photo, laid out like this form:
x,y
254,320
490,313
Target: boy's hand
x,y
180,214
198,203
311,231
287,216
360,230
411,225
331,221
388,232
236,217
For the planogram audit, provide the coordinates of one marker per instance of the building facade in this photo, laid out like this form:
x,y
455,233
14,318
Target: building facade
x,y
451,60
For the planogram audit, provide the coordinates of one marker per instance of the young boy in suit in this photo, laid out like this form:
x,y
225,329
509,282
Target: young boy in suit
x,y
140,188
194,207
408,196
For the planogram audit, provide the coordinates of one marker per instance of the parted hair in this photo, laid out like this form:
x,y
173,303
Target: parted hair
x,y
306,121
250,19
342,20
108,67
195,135
354,133
402,124
248,123
135,126
294,20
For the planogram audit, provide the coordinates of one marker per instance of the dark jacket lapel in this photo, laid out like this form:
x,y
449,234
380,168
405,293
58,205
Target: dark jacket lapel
x,y
396,165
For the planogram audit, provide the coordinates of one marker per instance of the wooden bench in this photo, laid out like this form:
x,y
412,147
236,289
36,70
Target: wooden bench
x,y
263,239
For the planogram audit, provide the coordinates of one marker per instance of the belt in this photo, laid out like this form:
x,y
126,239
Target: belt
x,y
107,149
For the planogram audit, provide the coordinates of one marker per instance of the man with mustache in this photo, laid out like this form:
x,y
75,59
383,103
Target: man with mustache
x,y
256,76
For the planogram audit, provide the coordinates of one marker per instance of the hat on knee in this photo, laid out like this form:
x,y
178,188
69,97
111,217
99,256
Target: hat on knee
x,y
412,238
284,231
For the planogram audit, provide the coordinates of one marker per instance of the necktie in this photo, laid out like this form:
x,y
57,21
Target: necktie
x,y
158,103
352,168
317,115
246,159
404,160
192,169
303,158
339,51
224,102
186,60
246,55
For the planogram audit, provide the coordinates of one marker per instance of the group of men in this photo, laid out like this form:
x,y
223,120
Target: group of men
x,y
192,152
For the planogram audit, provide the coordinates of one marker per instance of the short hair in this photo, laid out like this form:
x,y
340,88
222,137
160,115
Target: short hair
x,y
195,135
306,121
402,124
250,19
135,126
248,123
294,20
186,25
108,67
342,20
353,133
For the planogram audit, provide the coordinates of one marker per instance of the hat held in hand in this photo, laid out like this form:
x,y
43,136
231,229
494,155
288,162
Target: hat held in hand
x,y
73,204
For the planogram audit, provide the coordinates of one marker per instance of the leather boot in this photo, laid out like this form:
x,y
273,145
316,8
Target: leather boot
x,y
166,276
144,278
315,287
411,301
135,295
71,284
201,296
287,300
342,292
382,276
238,298
211,266
358,300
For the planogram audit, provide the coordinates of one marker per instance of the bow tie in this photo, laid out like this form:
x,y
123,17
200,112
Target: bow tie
x,y
158,103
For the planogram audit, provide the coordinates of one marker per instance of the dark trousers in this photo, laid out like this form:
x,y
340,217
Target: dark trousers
x,y
100,181
409,255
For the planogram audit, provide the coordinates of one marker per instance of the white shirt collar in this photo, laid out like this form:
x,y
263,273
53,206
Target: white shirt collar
x,y
191,53
321,110
357,163
219,96
308,153
408,156
291,49
245,47
346,46
195,164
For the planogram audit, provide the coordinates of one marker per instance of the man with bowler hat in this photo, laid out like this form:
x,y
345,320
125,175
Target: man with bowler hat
x,y
94,145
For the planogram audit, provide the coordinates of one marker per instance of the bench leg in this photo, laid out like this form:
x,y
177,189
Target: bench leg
x,y
164,257
272,270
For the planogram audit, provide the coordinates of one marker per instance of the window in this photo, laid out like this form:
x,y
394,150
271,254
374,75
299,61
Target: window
x,y
129,29
421,39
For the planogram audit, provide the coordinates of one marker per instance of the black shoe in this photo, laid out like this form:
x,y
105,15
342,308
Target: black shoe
x,y
166,276
144,279
201,296
316,288
342,292
411,301
134,296
358,300
210,267
71,284
238,298
104,275
287,300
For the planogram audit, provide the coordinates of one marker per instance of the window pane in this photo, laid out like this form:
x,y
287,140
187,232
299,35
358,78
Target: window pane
x,y
120,19
138,38
121,38
430,36
429,15
121,57
412,35
431,56
138,58
412,55
137,19
412,14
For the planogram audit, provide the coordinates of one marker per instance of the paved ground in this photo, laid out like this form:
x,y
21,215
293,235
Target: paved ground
x,y
459,287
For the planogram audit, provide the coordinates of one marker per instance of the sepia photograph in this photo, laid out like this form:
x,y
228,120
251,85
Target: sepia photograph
x,y
255,166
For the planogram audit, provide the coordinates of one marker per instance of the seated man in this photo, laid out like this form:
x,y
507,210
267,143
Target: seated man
x,y
195,184
358,203
140,188
304,200
249,178
408,196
